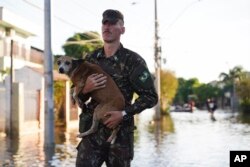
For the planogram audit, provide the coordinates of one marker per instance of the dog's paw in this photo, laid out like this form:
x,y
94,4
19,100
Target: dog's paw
x,y
80,103
73,101
111,140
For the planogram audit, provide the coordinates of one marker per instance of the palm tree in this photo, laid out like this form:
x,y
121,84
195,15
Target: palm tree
x,y
230,79
234,74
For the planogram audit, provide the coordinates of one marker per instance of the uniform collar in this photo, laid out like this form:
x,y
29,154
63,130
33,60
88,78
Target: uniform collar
x,y
115,57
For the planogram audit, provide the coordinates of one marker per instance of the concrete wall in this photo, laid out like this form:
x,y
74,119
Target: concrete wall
x,y
17,114
31,81
2,107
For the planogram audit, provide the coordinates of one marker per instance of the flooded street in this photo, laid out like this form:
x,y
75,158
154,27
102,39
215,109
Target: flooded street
x,y
182,140
193,140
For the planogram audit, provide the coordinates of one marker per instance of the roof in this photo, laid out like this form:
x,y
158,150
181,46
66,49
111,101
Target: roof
x,y
19,24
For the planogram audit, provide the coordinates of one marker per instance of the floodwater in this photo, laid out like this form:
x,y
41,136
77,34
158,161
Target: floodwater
x,y
179,140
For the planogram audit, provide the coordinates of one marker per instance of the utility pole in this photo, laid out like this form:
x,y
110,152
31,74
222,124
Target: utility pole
x,y
48,76
157,56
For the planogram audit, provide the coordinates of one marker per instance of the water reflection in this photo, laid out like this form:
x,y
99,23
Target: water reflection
x,y
212,117
160,128
20,152
181,139
193,141
164,125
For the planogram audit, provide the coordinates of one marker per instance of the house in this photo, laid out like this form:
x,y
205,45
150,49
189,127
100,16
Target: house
x,y
14,38
21,65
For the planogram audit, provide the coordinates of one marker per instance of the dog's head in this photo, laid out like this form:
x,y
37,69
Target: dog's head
x,y
65,64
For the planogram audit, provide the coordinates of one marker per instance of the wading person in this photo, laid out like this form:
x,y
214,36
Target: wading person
x,y
131,74
211,107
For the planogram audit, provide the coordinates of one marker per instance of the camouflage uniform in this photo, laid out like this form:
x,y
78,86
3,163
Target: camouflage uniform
x,y
131,74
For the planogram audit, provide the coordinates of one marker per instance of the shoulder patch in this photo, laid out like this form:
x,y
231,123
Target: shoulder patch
x,y
141,78
144,76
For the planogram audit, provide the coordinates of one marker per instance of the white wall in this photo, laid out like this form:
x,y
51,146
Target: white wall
x,y
32,81
2,107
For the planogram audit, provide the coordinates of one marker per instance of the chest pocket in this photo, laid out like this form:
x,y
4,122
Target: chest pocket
x,y
114,70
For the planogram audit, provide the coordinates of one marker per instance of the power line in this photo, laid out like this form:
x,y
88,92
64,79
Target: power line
x,y
33,5
178,16
86,9
10,3
56,17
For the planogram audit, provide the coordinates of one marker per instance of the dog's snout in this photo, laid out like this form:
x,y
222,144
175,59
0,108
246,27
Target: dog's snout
x,y
61,70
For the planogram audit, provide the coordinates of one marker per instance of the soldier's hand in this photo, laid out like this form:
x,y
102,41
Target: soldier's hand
x,y
93,82
114,119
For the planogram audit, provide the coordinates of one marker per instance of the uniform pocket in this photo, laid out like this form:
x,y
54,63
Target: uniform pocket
x,y
120,152
85,121
131,142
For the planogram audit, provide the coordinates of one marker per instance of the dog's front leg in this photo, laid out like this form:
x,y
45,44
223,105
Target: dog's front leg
x,y
72,90
76,92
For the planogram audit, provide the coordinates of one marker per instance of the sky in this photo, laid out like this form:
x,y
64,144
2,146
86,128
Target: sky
x,y
199,38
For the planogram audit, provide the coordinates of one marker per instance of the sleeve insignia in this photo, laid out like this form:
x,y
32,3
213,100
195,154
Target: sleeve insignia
x,y
144,76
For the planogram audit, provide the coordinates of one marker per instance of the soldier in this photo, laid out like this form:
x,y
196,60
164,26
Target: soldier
x,y
131,74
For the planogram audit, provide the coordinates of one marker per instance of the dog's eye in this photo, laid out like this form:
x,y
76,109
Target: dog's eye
x,y
58,62
67,63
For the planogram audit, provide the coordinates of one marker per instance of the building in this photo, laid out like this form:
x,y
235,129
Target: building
x,y
21,65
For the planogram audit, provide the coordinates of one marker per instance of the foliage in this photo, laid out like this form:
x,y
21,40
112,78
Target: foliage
x,y
234,74
237,78
3,73
199,92
179,97
228,79
243,91
185,90
169,86
193,90
59,98
205,91
82,44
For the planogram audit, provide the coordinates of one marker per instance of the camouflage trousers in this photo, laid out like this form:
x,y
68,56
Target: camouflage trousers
x,y
93,150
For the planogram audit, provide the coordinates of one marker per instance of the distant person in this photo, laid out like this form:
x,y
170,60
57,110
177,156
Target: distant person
x,y
192,105
211,107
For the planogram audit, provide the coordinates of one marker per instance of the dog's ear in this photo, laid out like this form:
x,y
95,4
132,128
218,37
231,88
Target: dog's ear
x,y
76,62
56,57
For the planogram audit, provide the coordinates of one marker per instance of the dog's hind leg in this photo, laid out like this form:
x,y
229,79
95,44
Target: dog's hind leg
x,y
113,135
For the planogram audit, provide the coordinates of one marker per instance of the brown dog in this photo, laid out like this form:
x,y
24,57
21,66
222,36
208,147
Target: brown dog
x,y
109,98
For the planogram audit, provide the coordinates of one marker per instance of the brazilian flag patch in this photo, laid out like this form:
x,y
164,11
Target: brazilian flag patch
x,y
144,76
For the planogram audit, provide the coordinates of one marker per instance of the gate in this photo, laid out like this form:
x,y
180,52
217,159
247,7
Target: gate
x,y
31,106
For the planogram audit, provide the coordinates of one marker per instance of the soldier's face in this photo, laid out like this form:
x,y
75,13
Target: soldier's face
x,y
112,32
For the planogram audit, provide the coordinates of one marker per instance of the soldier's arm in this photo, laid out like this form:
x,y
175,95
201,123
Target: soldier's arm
x,y
93,82
143,85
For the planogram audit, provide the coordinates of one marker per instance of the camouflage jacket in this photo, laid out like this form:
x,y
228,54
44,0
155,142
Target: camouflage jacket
x,y
131,74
